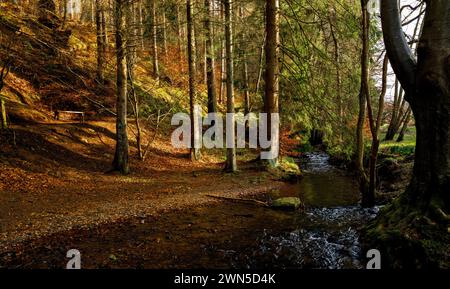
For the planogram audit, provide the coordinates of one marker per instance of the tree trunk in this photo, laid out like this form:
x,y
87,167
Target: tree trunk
x,y
427,89
93,11
272,65
398,114
3,111
135,102
375,125
244,68
338,74
261,65
406,121
246,88
195,152
104,31
64,13
100,43
180,37
363,180
141,24
210,75
120,162
164,29
154,39
231,163
222,59
3,74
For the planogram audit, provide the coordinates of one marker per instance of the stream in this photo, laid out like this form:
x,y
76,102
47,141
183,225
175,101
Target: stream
x,y
326,234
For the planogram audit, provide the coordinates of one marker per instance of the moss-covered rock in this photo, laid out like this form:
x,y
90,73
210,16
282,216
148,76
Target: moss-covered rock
x,y
287,170
288,203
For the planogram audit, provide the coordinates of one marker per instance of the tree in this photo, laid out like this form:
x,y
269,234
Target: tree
x,y
364,95
260,66
245,68
131,58
101,45
406,121
3,74
179,34
272,64
231,164
195,152
426,82
210,74
64,13
368,199
120,162
222,57
397,112
154,36
164,29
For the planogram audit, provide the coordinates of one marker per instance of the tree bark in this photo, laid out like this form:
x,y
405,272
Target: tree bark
x,y
120,162
222,58
244,68
100,42
398,96
405,123
231,163
4,120
363,96
261,65
195,152
105,31
141,25
154,39
272,48
64,13
180,36
164,29
3,74
369,200
210,74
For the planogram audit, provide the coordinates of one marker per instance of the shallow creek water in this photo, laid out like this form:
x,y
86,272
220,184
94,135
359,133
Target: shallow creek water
x,y
326,234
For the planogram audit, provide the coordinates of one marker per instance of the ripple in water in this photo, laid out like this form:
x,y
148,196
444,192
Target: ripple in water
x,y
330,241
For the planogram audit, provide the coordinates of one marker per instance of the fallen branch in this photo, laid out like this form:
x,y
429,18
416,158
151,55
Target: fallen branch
x,y
256,202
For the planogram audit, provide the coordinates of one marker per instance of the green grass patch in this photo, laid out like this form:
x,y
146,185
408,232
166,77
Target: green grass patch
x,y
403,148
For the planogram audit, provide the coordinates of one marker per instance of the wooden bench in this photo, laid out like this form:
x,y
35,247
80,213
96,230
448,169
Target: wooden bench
x,y
80,114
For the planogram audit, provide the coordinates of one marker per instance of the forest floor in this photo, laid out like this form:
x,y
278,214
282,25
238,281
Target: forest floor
x,y
54,179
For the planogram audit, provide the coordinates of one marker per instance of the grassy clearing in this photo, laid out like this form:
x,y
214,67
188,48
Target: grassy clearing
x,y
403,148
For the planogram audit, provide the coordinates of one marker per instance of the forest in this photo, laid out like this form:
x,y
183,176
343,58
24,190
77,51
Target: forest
x,y
224,134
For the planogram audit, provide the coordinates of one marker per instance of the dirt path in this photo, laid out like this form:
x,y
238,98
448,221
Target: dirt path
x,y
53,180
